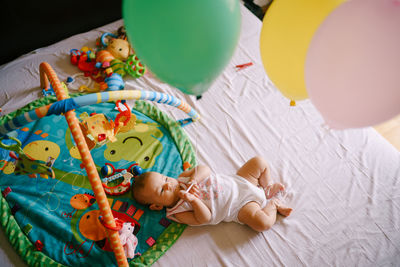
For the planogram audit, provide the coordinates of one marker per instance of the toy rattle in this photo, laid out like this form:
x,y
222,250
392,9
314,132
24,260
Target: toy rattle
x,y
111,175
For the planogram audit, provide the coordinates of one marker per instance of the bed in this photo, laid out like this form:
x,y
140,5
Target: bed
x,y
344,186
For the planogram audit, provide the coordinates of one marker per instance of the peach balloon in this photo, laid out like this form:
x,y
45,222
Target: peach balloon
x,y
352,69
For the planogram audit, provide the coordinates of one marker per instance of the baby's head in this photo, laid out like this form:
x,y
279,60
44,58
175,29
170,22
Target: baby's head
x,y
156,190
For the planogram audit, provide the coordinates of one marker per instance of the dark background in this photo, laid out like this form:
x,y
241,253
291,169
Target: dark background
x,y
28,25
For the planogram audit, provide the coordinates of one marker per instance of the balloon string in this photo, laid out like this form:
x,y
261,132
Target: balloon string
x,y
286,118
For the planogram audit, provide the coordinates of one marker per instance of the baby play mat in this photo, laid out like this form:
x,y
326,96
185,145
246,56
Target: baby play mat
x,y
49,211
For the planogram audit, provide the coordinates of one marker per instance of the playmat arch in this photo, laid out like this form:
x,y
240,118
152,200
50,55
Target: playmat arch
x,y
66,106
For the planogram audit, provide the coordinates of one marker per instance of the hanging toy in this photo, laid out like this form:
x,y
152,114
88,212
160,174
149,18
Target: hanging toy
x,y
97,129
128,240
112,179
125,120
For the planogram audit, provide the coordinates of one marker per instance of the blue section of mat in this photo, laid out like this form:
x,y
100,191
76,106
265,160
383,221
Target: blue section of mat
x,y
60,211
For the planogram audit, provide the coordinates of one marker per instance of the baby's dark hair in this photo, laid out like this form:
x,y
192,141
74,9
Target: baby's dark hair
x,y
138,185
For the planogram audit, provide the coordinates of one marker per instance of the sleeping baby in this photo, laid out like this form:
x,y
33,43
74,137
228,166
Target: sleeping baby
x,y
198,197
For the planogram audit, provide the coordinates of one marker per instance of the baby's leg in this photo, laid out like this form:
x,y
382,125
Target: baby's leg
x,y
262,219
258,219
256,170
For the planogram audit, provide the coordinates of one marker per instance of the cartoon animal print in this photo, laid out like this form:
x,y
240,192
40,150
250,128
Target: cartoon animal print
x,y
31,167
39,155
91,227
7,167
82,201
79,202
140,145
38,148
42,150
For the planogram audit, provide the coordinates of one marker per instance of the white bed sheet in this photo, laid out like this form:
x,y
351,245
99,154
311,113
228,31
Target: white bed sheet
x,y
344,186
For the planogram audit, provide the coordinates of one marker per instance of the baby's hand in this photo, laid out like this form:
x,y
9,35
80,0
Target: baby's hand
x,y
192,180
195,190
188,197
185,179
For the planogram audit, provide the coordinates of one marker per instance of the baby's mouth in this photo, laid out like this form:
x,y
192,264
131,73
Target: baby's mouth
x,y
178,187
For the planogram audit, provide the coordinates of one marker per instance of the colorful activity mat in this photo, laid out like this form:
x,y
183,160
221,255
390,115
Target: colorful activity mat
x,y
55,221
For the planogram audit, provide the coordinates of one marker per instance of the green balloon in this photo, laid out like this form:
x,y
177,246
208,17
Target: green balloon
x,y
186,43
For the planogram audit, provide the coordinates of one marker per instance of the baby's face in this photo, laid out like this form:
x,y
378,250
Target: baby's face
x,y
161,190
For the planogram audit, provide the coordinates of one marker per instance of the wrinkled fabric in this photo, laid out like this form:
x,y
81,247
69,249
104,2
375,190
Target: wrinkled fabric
x,y
344,186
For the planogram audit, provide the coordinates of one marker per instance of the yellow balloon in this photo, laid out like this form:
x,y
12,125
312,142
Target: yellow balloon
x,y
287,30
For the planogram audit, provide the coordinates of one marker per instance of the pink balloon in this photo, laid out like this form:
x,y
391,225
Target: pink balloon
x,y
352,69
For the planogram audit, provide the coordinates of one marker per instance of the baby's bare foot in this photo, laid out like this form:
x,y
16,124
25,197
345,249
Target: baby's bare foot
x,y
284,211
273,189
281,208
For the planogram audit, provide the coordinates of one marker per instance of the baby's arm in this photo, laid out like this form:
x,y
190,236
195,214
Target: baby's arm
x,y
200,214
198,173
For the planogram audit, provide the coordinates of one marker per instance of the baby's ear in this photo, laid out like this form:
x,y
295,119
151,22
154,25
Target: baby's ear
x,y
155,207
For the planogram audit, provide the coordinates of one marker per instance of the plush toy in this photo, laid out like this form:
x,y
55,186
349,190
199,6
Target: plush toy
x,y
114,82
118,48
128,240
109,63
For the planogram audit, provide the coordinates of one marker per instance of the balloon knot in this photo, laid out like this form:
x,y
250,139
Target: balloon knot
x,y
292,103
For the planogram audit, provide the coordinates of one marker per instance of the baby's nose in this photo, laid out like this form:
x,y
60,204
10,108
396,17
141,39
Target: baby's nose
x,y
167,186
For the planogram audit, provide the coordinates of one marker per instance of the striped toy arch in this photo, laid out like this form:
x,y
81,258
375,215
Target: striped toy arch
x,y
38,114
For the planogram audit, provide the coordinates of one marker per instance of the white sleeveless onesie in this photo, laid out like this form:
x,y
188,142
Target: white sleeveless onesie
x,y
224,195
